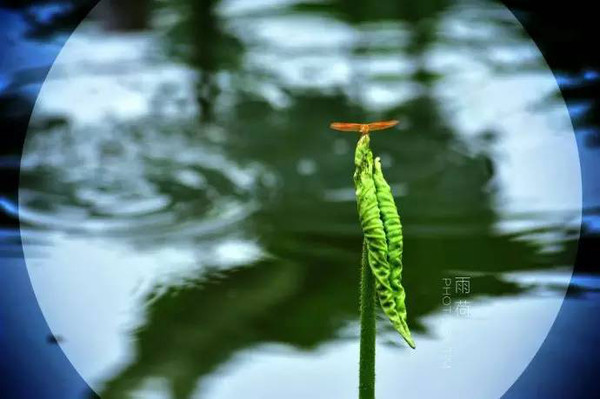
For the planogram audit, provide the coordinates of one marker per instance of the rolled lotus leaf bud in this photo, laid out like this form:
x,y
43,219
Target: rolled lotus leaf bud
x,y
383,235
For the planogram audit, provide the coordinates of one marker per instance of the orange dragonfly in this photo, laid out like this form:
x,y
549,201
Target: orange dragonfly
x,y
363,128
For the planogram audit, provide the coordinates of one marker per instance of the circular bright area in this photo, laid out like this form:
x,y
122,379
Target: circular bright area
x,y
189,221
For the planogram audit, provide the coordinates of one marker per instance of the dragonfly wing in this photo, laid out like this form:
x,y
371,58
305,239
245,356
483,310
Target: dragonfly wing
x,y
382,125
346,127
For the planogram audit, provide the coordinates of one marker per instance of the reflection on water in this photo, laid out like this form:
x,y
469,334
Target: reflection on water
x,y
189,220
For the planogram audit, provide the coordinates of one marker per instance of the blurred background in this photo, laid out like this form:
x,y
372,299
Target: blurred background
x,y
189,222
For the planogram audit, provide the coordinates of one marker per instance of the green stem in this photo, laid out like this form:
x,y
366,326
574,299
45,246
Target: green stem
x,y
366,387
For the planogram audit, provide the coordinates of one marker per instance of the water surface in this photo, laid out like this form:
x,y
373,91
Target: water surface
x,y
189,220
